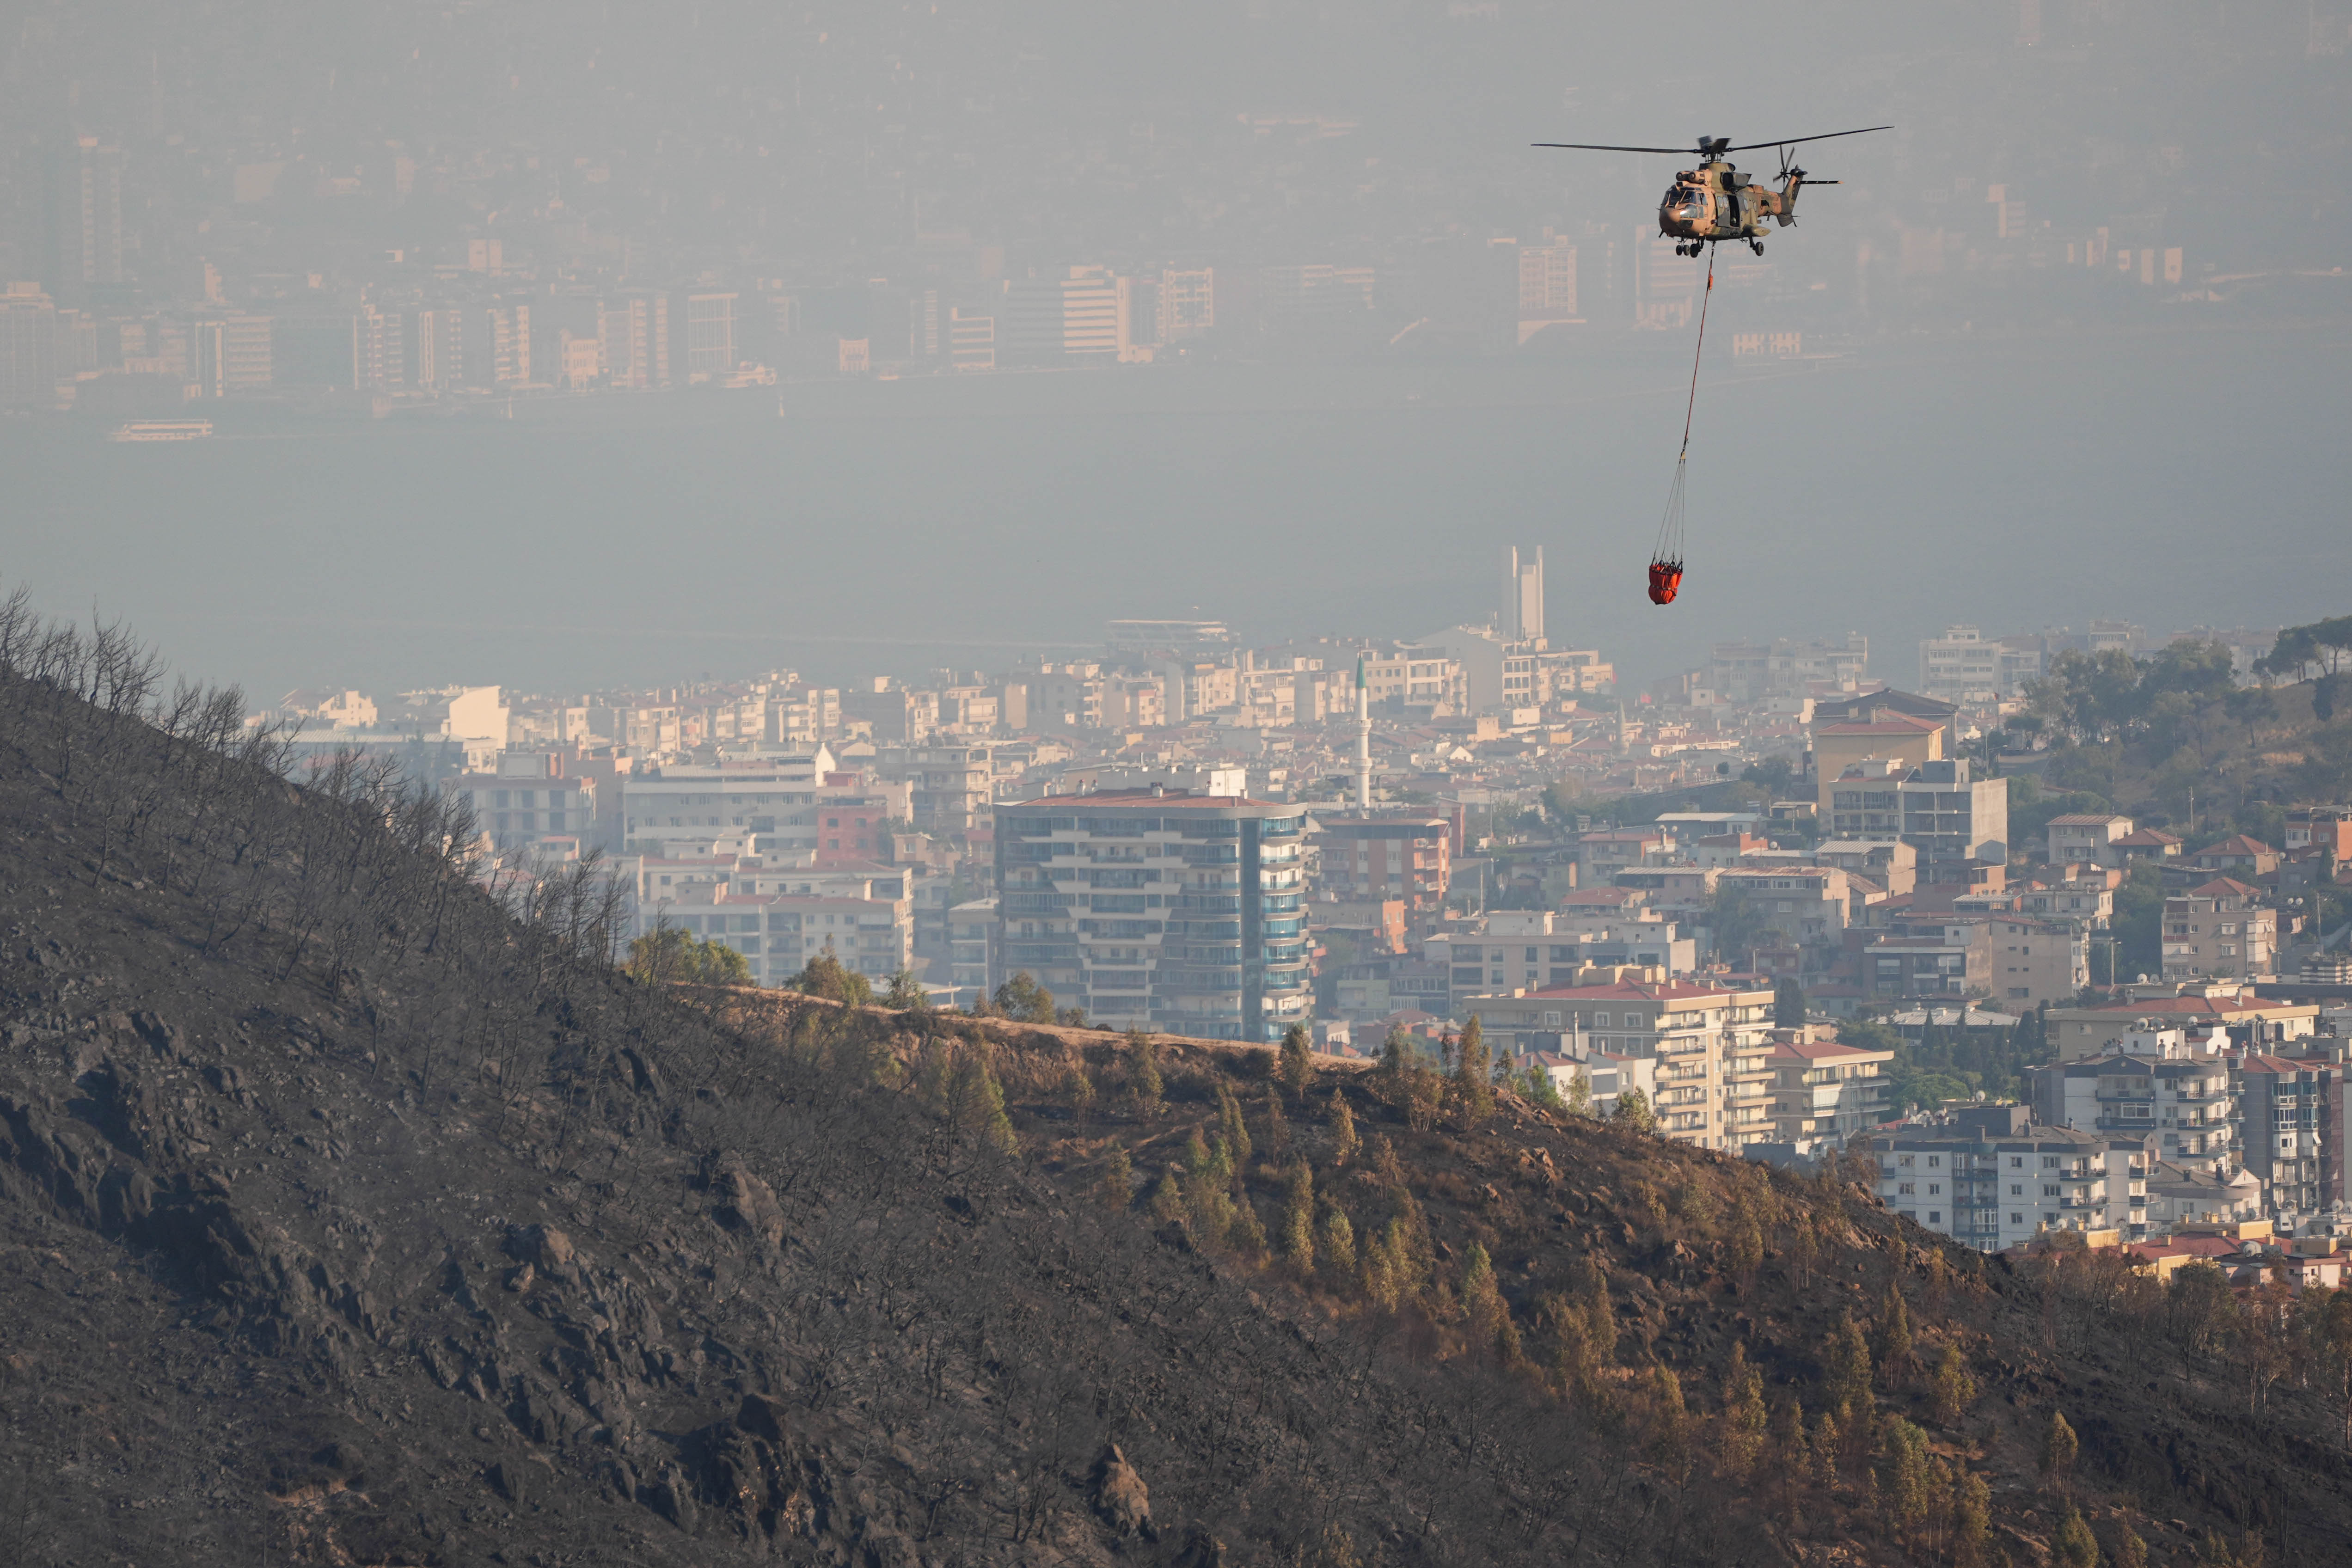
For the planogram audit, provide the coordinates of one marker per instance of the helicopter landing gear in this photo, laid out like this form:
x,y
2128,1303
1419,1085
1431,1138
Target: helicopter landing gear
x,y
1756,246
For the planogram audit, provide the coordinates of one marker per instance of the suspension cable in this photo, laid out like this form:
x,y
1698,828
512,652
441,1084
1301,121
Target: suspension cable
x,y
1706,299
1667,557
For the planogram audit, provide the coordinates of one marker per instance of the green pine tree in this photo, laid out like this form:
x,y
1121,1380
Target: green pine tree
x,y
1472,1086
1295,1063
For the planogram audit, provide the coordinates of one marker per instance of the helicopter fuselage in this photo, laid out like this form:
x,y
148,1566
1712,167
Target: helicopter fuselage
x,y
1716,202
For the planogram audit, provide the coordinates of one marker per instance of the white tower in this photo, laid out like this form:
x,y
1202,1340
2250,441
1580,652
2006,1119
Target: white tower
x,y
1523,606
1363,741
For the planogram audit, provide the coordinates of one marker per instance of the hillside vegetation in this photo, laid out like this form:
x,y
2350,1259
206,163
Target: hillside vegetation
x,y
2173,741
355,1215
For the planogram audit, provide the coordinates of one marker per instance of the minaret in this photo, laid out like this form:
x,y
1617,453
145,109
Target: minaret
x,y
1363,741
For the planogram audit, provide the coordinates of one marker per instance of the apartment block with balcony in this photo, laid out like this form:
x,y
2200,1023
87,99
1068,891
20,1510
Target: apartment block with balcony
x,y
1403,857
517,811
2293,1126
2086,900
1960,665
2310,828
1954,958
1824,1092
1992,1180
1712,1046
972,930
947,785
778,933
2158,1084
1531,950
2087,838
1158,909
2036,960
2218,932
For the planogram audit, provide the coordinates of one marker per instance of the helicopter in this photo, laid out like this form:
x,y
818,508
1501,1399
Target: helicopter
x,y
1716,202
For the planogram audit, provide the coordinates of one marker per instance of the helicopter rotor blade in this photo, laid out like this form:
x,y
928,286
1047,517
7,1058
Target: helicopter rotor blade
x,y
1793,141
1603,147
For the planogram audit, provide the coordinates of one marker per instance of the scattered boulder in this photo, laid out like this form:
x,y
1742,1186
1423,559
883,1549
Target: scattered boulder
x,y
746,1202
1121,1496
550,1251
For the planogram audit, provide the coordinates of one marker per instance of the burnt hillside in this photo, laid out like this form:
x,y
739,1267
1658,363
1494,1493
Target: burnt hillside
x,y
354,1214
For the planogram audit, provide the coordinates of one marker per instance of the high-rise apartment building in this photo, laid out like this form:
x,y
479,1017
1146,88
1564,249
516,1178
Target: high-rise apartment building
x,y
972,341
1546,286
231,354
1187,303
1159,909
635,325
2156,1083
709,336
2293,1127
1712,1044
1406,857
27,346
1069,318
84,192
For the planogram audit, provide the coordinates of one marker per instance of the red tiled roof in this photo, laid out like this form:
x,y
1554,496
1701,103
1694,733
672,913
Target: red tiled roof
x,y
2278,1065
2222,887
2238,846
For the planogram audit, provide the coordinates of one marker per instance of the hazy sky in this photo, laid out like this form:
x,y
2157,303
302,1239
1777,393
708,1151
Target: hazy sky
x,y
1967,450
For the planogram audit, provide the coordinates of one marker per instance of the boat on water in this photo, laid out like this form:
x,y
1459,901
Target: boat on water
x,y
162,430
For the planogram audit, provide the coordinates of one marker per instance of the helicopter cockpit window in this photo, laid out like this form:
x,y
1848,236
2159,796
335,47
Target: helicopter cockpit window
x,y
1676,196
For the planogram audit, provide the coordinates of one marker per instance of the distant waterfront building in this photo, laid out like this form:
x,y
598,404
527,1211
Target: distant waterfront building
x,y
1187,303
709,336
27,346
634,326
1546,286
1072,317
1158,909
972,341
1176,637
84,197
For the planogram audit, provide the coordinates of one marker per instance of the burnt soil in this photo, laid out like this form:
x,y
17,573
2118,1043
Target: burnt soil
x,y
345,1218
